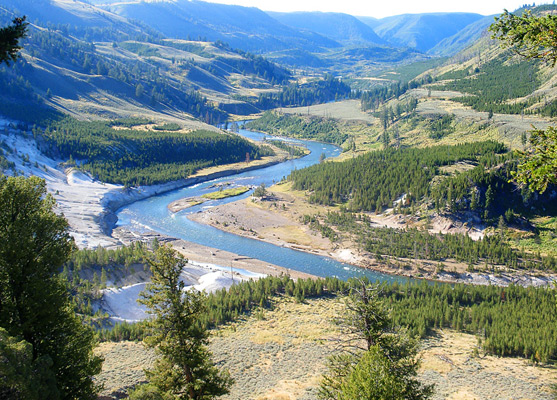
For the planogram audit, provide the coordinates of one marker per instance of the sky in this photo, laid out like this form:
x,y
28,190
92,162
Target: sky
x,y
384,8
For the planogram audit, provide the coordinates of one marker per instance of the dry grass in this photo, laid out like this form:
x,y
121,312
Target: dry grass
x,y
456,168
124,365
449,362
281,354
474,125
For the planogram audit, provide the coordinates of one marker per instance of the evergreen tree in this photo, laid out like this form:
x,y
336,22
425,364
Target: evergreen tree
x,y
474,201
34,302
23,377
184,369
489,197
377,376
539,167
260,191
9,40
385,367
528,35
533,37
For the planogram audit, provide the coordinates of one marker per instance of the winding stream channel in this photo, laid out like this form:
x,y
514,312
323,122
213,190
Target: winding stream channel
x,y
152,214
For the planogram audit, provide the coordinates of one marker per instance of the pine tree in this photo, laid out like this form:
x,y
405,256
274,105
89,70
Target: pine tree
x,y
24,377
474,201
489,197
9,40
385,367
378,376
184,369
533,37
34,302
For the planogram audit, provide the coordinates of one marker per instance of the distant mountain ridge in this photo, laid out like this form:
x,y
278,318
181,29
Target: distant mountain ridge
x,y
254,30
65,12
86,61
420,31
463,38
176,56
343,28
247,28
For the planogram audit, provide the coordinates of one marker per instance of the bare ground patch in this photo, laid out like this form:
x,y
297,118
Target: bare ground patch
x,y
349,110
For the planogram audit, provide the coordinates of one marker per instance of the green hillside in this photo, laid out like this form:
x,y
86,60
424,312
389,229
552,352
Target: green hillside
x,y
97,70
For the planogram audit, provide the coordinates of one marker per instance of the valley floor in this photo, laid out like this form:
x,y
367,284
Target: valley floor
x,y
281,354
90,205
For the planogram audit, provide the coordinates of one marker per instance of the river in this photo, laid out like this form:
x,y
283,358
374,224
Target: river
x,y
153,214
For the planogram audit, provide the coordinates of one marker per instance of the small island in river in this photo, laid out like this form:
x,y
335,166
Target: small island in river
x,y
188,202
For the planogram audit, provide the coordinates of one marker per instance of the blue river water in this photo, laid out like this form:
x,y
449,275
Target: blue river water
x,y
153,214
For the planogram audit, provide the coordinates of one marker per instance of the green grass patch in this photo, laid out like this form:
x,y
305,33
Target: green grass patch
x,y
223,194
543,240
140,49
169,126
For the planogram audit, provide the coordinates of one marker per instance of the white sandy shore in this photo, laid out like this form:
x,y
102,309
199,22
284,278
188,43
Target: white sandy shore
x,y
89,205
121,303
78,196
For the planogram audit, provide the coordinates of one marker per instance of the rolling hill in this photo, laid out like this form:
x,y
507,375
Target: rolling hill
x,y
105,65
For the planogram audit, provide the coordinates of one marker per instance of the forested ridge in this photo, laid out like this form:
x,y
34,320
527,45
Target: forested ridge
x,y
149,78
489,190
135,79
492,85
133,157
319,91
374,180
416,244
372,99
411,181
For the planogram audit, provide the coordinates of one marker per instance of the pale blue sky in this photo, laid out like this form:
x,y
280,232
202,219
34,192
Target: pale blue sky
x,y
383,8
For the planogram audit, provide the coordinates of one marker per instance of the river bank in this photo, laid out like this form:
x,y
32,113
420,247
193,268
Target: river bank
x,y
115,199
277,220
89,205
209,255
